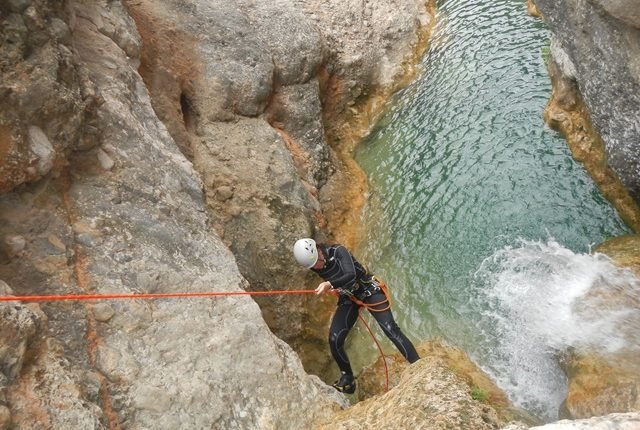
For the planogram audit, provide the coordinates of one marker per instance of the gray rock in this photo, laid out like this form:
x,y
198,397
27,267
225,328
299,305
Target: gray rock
x,y
627,11
116,364
607,72
428,396
152,399
18,327
106,162
102,312
14,245
39,144
18,5
626,421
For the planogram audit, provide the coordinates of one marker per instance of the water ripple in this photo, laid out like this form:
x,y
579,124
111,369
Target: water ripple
x,y
462,165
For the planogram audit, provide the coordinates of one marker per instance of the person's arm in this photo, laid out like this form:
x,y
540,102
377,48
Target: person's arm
x,y
348,276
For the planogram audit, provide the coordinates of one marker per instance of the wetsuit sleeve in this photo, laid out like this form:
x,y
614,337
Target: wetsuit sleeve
x,y
348,276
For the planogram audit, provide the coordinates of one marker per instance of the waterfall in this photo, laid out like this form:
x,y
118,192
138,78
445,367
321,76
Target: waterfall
x,y
541,300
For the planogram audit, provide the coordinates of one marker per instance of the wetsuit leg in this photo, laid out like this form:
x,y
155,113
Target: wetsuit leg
x,y
391,329
343,320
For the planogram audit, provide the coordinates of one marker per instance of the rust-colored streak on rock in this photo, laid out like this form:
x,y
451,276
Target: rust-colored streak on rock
x,y
82,279
567,113
169,66
346,126
35,414
300,158
532,9
6,143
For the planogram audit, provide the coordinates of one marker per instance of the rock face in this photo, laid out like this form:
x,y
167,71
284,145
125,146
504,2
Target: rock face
x,y
249,91
128,215
372,380
47,105
567,113
103,177
600,385
428,396
630,421
602,40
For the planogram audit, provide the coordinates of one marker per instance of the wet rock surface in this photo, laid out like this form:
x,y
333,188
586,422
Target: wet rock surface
x,y
607,73
601,384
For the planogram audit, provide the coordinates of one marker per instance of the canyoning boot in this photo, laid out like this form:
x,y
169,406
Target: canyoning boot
x,y
346,384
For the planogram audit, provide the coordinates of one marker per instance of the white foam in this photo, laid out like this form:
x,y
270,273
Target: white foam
x,y
540,300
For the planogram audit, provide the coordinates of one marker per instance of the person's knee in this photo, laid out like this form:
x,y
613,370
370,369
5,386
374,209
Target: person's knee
x,y
333,337
391,329
337,337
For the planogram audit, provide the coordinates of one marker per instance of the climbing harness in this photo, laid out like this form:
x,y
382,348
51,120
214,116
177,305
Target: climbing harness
x,y
369,288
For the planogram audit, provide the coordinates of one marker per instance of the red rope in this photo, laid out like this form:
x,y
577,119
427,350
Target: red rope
x,y
53,298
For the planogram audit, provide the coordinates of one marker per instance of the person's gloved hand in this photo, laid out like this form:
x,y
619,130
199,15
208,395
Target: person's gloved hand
x,y
324,287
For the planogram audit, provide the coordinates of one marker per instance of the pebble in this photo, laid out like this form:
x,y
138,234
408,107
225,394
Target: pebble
x,y
224,193
152,398
102,312
15,244
56,242
106,162
39,144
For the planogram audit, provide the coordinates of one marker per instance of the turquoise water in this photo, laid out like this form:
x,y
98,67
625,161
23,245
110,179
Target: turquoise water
x,y
464,177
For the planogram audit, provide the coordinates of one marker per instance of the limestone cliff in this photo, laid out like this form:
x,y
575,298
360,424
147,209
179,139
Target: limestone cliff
x,y
252,93
113,183
124,212
595,71
597,45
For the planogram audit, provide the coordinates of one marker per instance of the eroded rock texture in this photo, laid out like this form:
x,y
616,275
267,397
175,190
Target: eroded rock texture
x,y
127,215
428,396
602,40
248,90
47,103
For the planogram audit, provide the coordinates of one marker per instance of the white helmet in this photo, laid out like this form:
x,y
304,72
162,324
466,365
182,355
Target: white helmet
x,y
306,252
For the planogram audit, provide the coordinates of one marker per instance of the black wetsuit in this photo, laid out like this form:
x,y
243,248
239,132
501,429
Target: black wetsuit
x,y
346,273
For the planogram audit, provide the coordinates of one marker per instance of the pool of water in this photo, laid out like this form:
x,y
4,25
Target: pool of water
x,y
465,177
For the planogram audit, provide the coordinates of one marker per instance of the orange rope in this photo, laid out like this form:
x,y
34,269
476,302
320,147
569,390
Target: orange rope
x,y
52,298
384,361
133,296
371,308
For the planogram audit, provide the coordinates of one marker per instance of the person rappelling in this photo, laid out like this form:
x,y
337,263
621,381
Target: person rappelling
x,y
344,276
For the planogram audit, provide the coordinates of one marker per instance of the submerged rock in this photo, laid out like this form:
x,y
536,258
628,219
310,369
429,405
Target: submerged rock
x,y
602,384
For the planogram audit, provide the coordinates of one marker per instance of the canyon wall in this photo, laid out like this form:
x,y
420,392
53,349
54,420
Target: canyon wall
x,y
595,56
176,146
